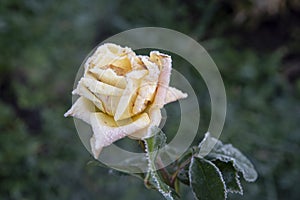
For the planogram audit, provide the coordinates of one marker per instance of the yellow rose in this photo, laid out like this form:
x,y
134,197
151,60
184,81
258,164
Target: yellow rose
x,y
121,94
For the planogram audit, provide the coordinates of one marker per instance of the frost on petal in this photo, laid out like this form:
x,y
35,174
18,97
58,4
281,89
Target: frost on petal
x,y
109,77
108,54
110,103
165,64
155,116
106,130
105,97
83,91
155,119
147,88
174,94
98,87
137,74
125,106
81,109
120,86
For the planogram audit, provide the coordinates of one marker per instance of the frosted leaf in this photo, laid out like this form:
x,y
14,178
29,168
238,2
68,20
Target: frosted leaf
x,y
230,176
206,180
227,153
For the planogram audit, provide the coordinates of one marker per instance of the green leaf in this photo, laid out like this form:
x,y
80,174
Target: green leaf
x,y
230,176
206,180
227,153
153,145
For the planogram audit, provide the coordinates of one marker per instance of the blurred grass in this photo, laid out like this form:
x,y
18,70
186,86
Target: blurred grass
x,y
255,45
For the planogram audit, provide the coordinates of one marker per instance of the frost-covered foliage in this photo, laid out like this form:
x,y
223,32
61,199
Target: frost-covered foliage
x,y
210,176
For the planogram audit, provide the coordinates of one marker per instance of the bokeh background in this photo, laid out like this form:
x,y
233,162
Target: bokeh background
x,y
255,44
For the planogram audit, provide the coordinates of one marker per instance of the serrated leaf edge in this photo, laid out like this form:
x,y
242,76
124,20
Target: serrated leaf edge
x,y
237,179
226,158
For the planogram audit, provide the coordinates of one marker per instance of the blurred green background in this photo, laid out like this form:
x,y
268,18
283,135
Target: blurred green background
x,y
255,44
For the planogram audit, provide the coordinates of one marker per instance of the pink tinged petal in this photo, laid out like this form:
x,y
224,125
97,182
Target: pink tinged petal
x,y
147,87
174,94
81,109
165,63
106,130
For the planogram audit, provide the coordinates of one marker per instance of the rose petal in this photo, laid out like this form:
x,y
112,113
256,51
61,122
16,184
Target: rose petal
x,y
98,87
83,91
109,77
107,101
107,54
110,103
174,94
154,114
137,74
165,63
123,63
106,130
81,109
125,106
147,87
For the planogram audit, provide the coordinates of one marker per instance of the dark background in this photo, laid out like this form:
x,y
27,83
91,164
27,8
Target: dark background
x,y
255,44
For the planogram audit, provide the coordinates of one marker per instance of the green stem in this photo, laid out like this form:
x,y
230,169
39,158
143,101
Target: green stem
x,y
174,176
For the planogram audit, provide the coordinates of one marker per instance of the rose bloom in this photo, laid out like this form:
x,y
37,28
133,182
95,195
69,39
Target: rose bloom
x,y
121,94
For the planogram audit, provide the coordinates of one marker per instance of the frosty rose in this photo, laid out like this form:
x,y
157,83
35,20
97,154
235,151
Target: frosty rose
x,y
121,94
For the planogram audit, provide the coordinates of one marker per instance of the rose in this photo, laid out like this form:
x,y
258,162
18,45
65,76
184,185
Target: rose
x,y
121,94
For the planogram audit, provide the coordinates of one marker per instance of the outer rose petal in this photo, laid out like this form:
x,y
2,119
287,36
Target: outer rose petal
x,y
174,94
106,131
147,88
81,109
164,93
165,63
83,91
155,119
154,113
